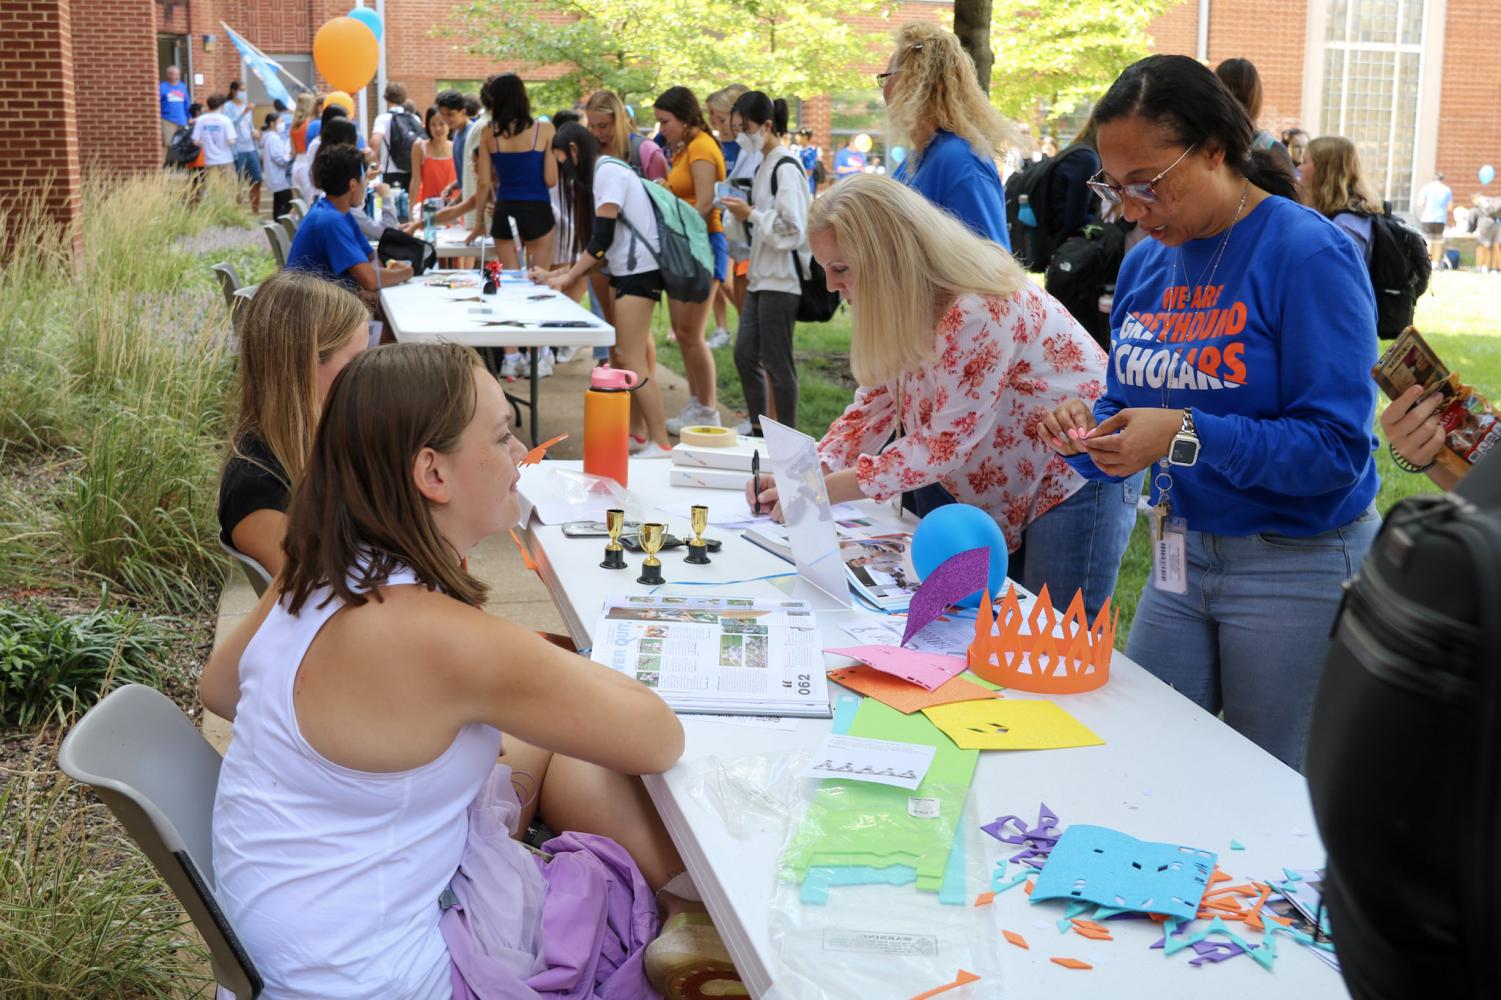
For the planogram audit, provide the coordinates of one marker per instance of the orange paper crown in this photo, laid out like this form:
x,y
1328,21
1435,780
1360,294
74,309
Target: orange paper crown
x,y
1028,656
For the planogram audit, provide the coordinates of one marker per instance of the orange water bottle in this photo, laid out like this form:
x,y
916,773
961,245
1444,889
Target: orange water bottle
x,y
607,422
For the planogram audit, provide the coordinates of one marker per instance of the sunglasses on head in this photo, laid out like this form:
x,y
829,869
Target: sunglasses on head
x,y
1142,191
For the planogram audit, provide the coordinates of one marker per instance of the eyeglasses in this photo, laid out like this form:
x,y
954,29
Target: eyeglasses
x,y
881,78
1142,191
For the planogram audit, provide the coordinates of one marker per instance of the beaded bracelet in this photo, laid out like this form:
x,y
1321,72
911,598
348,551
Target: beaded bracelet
x,y
1405,465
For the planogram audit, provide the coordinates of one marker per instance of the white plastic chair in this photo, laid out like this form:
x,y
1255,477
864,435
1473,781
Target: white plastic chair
x,y
259,578
280,245
290,225
158,775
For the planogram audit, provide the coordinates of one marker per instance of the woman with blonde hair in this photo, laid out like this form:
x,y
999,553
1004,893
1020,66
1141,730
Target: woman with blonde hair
x,y
934,103
610,122
305,113
959,357
299,332
1335,187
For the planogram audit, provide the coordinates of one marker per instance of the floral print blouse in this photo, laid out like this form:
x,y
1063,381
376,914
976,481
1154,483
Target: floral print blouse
x,y
967,419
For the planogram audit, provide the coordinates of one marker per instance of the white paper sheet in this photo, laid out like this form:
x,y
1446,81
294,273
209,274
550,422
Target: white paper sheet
x,y
885,762
805,507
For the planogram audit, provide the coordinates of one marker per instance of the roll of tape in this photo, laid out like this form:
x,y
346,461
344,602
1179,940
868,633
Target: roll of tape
x,y
709,437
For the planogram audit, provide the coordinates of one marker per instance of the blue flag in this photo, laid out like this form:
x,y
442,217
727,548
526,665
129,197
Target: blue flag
x,y
263,66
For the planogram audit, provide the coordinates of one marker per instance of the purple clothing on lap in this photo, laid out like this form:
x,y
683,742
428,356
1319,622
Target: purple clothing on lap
x,y
597,913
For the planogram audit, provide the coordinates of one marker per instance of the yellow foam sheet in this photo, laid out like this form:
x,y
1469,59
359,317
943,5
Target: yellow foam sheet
x,y
1010,724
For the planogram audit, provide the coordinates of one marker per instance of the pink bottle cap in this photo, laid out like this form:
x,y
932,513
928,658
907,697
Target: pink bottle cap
x,y
612,379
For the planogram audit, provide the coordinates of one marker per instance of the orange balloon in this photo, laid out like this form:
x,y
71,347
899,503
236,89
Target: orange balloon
x,y
340,99
346,53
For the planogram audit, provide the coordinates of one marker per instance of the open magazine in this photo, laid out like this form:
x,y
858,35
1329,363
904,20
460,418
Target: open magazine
x,y
718,655
875,559
1471,424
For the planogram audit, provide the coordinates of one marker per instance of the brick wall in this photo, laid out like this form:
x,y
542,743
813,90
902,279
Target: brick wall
x,y
114,71
1469,133
36,161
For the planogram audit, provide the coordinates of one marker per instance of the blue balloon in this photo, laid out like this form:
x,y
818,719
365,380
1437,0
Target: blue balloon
x,y
369,19
1487,174
955,528
898,154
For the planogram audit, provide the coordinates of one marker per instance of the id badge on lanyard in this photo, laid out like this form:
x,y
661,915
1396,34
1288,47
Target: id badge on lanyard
x,y
1169,539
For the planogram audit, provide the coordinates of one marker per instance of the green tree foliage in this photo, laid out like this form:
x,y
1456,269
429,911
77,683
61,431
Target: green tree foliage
x,y
1052,56
638,48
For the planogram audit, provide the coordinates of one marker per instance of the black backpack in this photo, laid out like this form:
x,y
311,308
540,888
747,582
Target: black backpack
x,y
397,245
1083,268
1404,752
182,150
1033,245
817,304
401,133
1400,269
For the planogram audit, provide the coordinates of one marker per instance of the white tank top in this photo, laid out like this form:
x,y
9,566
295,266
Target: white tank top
x,y
329,875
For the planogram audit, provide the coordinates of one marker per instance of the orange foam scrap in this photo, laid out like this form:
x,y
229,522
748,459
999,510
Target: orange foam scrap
x,y
1026,655
1093,935
1089,925
1253,916
1017,939
984,899
959,980
526,557
1071,963
1027,888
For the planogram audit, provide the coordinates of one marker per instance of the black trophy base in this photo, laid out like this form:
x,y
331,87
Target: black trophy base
x,y
651,575
698,555
614,559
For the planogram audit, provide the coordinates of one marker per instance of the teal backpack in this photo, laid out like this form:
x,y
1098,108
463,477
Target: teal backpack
x,y
682,253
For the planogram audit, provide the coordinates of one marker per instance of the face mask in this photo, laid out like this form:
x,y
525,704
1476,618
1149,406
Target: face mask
x,y
240,97
749,142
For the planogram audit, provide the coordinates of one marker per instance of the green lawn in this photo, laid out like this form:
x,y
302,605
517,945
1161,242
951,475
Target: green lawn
x,y
1456,316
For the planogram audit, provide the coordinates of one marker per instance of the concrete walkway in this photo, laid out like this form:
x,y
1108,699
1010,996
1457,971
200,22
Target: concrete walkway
x,y
516,593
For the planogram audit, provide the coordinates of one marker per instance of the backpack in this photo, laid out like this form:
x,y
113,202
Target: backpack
x,y
1416,653
816,302
682,253
820,172
636,163
1400,269
1034,234
1083,268
401,133
183,150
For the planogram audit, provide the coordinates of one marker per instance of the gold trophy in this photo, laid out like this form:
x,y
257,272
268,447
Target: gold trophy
x,y
652,536
614,553
698,551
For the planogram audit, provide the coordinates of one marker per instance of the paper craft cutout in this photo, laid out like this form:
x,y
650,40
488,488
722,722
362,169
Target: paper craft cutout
x,y
821,878
1071,963
1011,883
985,899
904,696
804,497
1016,939
1024,653
1236,845
951,581
960,980
1091,930
538,453
928,671
1109,868
884,762
1010,724
952,891
1038,840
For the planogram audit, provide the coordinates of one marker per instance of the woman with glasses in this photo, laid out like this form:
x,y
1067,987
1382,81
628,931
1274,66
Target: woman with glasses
x,y
1239,376
935,105
959,357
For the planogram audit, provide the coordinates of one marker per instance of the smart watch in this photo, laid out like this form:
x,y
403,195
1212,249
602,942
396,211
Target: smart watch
x,y
1184,450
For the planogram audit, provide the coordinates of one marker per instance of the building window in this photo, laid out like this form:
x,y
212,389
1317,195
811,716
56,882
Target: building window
x,y
1373,70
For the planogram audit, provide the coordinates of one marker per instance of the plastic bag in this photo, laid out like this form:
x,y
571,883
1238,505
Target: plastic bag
x,y
842,930
749,792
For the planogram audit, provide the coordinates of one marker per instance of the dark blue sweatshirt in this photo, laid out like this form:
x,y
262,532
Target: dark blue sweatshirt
x,y
1273,353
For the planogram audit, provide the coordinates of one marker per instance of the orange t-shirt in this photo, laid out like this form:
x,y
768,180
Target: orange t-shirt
x,y
680,177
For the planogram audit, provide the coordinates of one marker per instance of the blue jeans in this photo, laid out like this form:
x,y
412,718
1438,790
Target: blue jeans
x,y
720,244
1250,636
1078,544
248,166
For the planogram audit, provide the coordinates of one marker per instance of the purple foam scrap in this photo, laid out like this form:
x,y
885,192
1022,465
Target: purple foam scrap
x,y
1038,841
951,581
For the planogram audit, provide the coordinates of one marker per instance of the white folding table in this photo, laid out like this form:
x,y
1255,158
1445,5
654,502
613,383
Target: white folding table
x,y
519,314
1168,772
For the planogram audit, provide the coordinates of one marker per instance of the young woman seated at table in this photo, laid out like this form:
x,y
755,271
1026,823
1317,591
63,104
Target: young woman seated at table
x,y
958,357
329,242
299,332
363,830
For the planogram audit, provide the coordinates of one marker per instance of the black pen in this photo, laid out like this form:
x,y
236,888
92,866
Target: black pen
x,y
756,481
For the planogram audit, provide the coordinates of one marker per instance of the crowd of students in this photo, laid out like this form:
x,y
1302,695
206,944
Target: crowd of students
x,y
370,692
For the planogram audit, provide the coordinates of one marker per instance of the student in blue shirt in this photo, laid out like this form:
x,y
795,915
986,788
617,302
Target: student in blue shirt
x,y
329,242
934,102
1243,336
